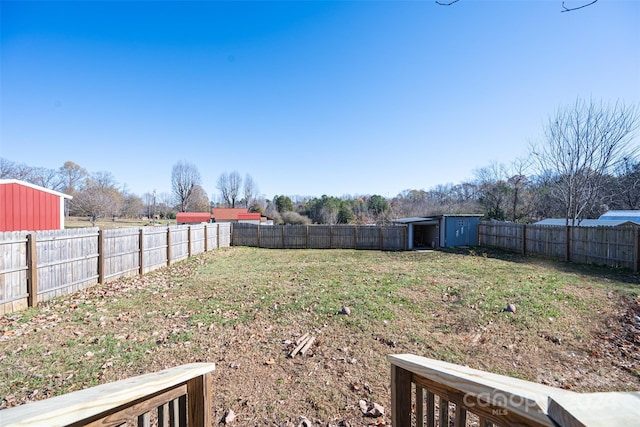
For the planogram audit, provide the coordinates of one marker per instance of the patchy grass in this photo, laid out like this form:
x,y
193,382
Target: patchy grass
x,y
239,307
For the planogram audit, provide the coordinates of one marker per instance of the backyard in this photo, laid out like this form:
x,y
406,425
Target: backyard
x,y
575,327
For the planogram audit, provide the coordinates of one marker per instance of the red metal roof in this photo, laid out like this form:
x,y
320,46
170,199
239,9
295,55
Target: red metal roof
x,y
192,217
249,216
227,214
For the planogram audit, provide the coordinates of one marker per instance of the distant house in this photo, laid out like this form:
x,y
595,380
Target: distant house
x,y
614,218
28,207
227,214
441,231
250,218
192,217
241,215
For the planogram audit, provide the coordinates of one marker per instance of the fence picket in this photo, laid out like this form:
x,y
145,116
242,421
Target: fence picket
x,y
46,264
609,246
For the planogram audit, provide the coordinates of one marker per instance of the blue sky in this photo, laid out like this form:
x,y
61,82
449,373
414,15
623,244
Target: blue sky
x,y
308,97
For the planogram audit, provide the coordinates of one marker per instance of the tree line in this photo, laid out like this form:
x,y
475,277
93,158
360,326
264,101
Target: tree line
x,y
585,164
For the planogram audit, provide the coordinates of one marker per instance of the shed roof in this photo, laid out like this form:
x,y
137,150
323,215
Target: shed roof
x,y
193,217
249,216
36,187
630,215
229,214
433,219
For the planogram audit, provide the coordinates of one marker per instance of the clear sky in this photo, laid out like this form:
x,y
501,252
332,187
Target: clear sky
x,y
308,97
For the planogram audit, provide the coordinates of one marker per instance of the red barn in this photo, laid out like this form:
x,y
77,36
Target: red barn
x,y
192,217
29,207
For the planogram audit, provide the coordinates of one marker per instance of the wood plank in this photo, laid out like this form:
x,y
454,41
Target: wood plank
x,y
461,416
596,409
529,399
400,397
163,415
32,271
121,416
200,400
431,409
86,404
443,419
419,406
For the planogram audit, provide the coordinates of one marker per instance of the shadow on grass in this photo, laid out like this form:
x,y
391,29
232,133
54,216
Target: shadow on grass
x,y
622,275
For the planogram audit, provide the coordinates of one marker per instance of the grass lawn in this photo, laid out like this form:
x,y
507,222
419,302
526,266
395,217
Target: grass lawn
x,y
242,307
106,223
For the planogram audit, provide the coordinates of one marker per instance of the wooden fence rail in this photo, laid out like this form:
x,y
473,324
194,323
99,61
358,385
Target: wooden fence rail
x,y
42,265
610,246
387,238
428,392
179,396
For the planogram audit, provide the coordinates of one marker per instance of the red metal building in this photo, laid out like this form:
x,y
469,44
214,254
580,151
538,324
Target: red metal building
x,y
29,207
192,217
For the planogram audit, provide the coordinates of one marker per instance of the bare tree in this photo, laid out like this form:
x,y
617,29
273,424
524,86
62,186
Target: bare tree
x,y
250,190
493,191
582,144
13,170
565,8
47,178
132,206
184,177
229,186
99,197
627,185
72,177
199,200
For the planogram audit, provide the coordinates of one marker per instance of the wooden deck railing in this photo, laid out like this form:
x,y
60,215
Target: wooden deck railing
x,y
427,392
179,396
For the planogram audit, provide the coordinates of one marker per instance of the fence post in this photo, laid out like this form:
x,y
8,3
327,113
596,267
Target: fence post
x,y
636,248
258,235
283,228
380,238
355,237
331,237
101,256
400,397
524,239
141,238
189,240
168,246
567,255
199,401
306,237
32,271
218,235
206,237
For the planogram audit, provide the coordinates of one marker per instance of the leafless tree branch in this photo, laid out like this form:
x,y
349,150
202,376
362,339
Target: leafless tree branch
x,y
570,9
564,7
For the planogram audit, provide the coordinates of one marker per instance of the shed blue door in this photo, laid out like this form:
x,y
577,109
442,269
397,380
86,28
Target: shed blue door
x,y
459,233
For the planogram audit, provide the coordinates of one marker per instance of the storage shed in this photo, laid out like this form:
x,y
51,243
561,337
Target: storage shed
x,y
227,214
192,217
28,207
441,231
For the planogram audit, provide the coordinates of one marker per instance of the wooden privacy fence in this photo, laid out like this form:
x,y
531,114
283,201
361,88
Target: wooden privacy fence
x,y
428,392
386,238
610,246
42,265
180,396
